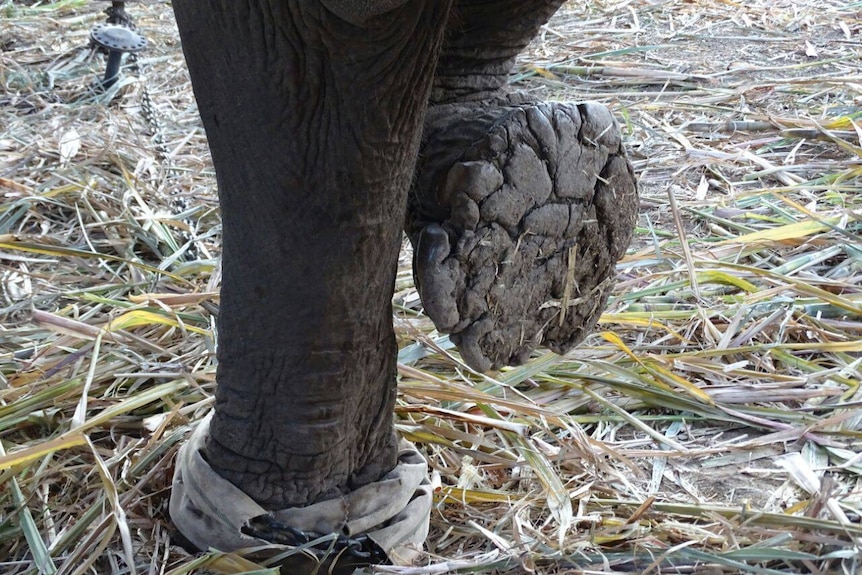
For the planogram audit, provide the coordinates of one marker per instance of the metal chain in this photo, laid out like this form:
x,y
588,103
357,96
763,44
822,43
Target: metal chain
x,y
149,112
179,204
360,549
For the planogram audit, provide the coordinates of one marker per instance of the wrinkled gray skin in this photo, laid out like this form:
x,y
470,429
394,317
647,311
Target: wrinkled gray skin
x,y
314,112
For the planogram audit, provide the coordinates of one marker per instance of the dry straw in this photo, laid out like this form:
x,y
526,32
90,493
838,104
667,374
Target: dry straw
x,y
712,425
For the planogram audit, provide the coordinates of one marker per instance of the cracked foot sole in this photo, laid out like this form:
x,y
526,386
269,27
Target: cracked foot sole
x,y
517,217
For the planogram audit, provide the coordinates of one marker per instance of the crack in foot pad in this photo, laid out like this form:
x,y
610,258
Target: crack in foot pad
x,y
515,209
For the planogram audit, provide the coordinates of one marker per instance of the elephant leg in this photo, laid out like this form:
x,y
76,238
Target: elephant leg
x,y
519,209
482,41
314,123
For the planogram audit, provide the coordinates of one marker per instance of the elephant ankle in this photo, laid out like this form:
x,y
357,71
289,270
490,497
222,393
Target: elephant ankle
x,y
466,88
293,480
482,44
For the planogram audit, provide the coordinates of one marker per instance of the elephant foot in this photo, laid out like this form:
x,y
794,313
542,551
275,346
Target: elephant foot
x,y
382,522
517,216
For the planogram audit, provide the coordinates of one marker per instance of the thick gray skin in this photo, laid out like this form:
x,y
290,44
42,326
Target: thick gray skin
x,y
313,124
314,112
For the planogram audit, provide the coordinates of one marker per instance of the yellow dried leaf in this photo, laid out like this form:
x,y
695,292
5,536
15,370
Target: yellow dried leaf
x,y
472,495
29,454
713,276
787,232
545,73
141,317
613,338
692,389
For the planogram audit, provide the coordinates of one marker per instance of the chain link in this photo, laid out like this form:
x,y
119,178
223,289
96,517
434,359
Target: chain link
x,y
323,546
179,204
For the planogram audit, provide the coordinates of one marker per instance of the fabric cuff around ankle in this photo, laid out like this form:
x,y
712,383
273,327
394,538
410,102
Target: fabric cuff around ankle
x,y
394,511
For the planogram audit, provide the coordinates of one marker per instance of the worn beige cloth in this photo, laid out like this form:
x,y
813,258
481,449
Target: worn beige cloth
x,y
394,512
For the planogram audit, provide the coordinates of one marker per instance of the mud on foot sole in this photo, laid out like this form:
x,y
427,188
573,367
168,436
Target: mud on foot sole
x,y
516,209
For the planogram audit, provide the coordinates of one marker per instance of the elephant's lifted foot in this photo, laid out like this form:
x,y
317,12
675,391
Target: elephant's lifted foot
x,y
518,215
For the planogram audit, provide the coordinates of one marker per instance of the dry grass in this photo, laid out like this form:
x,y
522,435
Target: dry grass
x,y
713,425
